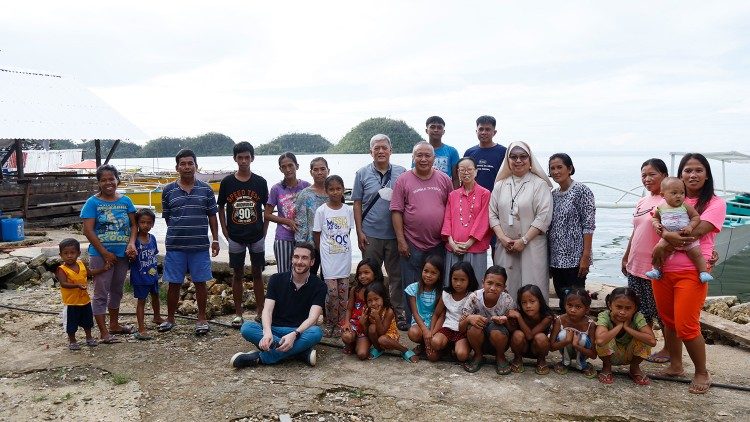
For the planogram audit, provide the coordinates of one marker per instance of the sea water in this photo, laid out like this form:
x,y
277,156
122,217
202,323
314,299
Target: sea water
x,y
613,225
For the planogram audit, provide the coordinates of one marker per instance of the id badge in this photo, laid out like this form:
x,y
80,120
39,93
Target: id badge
x,y
510,219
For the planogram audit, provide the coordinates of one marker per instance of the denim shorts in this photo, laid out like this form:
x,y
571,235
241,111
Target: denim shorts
x,y
179,263
257,254
141,291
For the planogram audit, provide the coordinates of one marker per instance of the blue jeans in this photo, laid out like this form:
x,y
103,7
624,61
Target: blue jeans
x,y
569,352
411,269
253,332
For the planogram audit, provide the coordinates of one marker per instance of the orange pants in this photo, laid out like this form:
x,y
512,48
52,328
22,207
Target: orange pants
x,y
679,299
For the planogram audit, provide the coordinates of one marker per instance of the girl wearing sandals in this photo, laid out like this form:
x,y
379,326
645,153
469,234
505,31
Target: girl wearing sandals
x,y
573,334
354,335
623,336
448,312
423,296
379,321
534,320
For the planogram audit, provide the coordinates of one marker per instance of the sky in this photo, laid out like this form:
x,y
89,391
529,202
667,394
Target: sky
x,y
565,76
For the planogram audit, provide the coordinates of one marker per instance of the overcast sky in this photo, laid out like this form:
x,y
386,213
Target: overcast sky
x,y
561,75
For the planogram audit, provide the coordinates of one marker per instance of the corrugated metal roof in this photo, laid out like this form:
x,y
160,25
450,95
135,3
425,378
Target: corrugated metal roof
x,y
44,106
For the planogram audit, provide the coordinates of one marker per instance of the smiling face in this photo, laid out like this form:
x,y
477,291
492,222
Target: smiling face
x,y
69,255
651,179
622,309
288,168
559,172
467,171
374,301
485,133
430,275
694,175
243,161
108,183
302,260
530,304
519,161
381,152
186,167
365,275
424,158
335,191
319,172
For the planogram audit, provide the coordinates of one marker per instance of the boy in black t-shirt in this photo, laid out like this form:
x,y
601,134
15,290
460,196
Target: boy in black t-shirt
x,y
244,195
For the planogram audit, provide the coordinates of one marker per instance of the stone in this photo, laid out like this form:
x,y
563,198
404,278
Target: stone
x,y
228,306
190,287
729,300
216,289
38,260
741,318
210,284
741,309
22,277
214,306
188,307
53,262
249,302
7,266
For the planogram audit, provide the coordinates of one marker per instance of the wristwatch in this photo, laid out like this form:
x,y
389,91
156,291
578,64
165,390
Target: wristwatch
x,y
524,240
296,334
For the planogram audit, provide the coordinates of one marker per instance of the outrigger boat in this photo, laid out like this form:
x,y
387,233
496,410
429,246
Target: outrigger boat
x,y
145,189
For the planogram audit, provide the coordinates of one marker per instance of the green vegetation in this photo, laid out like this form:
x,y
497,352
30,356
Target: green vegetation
x,y
119,379
357,141
299,143
209,144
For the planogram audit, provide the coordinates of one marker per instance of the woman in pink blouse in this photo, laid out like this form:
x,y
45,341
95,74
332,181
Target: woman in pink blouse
x,y
466,224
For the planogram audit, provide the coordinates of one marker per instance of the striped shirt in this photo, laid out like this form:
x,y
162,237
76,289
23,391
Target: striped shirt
x,y
186,214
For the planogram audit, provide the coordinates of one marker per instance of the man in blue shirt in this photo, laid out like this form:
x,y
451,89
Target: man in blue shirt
x,y
488,155
189,208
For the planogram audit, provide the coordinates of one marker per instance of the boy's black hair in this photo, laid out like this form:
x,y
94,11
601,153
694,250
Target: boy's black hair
x,y
565,158
486,120
437,262
544,309
107,167
435,119
68,242
380,290
469,271
144,212
306,245
333,178
498,270
241,147
314,160
374,267
580,294
185,152
626,292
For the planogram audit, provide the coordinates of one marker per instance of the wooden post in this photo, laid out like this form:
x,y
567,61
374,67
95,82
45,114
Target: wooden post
x,y
112,151
26,199
19,158
5,160
98,145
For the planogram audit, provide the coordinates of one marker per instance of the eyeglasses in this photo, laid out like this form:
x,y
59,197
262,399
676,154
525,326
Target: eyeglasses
x,y
522,157
466,169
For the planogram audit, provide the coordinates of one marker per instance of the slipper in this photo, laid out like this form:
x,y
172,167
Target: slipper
x,y
110,339
402,324
654,358
542,369
91,342
375,353
347,349
166,326
502,368
139,336
560,368
124,329
517,367
201,328
666,374
237,322
640,379
419,349
696,388
472,365
74,346
589,372
606,378
409,355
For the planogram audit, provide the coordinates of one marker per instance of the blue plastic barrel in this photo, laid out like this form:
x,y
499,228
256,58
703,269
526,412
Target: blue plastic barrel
x,y
12,229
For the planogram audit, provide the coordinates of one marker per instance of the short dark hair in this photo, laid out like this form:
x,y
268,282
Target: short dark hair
x,y
498,270
565,158
333,178
435,119
144,212
68,242
486,120
107,167
306,245
241,147
185,152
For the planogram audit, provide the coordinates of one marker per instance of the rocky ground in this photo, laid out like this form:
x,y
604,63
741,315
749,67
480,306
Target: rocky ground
x,y
180,376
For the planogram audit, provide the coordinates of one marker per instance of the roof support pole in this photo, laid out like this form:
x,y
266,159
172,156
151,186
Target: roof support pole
x,y
98,146
112,151
19,158
5,160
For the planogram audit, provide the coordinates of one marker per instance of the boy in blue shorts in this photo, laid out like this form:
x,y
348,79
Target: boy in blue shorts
x,y
189,208
144,276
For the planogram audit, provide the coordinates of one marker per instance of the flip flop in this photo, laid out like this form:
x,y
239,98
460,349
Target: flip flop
x,y
237,322
92,342
201,328
74,346
375,353
472,365
110,339
640,379
502,368
589,372
666,374
560,369
517,367
542,369
166,326
139,336
124,329
654,358
408,355
696,388
606,378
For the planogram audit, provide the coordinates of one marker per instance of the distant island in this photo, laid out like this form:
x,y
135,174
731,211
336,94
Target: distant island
x,y
356,141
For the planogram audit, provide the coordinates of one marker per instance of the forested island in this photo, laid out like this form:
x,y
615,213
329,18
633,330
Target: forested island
x,y
356,141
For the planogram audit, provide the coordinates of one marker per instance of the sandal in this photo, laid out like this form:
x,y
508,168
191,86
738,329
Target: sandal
x,y
375,352
654,358
91,342
139,336
640,379
560,369
472,365
166,326
123,329
419,349
202,328
589,372
110,339
606,378
542,369
702,388
237,322
410,356
502,368
517,367
348,349
74,346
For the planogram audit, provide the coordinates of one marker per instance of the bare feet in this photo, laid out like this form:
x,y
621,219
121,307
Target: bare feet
x,y
672,372
157,320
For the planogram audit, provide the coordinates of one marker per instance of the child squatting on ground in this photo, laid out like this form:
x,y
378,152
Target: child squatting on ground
x,y
534,321
445,331
353,333
423,296
379,321
144,275
73,277
674,215
623,337
573,334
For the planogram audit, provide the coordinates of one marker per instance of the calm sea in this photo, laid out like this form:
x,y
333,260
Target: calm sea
x,y
613,225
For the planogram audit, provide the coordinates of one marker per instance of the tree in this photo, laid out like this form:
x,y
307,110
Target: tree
x,y
209,144
124,149
357,141
299,143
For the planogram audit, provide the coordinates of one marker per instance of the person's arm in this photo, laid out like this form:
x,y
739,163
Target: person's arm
x,y
214,226
438,318
695,219
397,217
361,236
130,251
542,205
266,319
587,206
380,327
554,343
604,335
656,222
588,352
349,306
91,273
645,334
268,215
288,340
266,221
90,233
520,323
494,216
426,334
316,239
62,278
624,263
223,221
585,263
541,327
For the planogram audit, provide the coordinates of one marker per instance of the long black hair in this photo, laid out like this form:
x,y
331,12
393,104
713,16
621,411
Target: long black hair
x,y
544,309
469,271
707,191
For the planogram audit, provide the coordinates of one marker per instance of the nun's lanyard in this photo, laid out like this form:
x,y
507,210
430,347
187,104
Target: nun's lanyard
x,y
513,198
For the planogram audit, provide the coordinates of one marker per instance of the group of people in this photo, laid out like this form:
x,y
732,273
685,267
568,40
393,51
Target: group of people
x,y
430,227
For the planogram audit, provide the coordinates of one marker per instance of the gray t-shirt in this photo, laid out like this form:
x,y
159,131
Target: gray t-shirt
x,y
367,182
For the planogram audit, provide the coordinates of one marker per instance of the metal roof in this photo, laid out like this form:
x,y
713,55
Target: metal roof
x,y
42,106
726,156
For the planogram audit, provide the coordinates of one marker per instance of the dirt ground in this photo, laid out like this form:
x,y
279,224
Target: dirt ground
x,y
180,376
